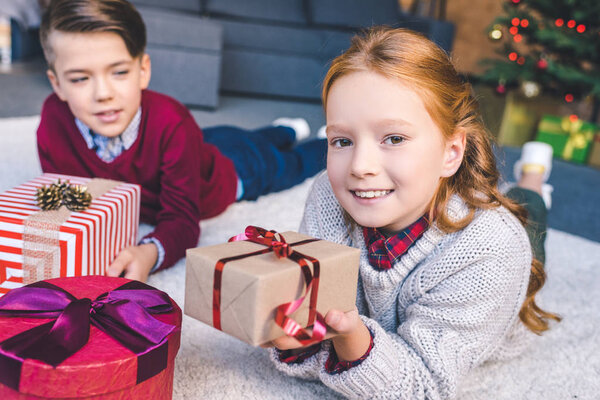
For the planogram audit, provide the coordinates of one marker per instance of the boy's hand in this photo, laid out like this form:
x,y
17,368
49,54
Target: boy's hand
x,y
350,336
136,261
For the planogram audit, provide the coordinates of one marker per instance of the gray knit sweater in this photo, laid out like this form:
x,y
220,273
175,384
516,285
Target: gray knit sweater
x,y
447,305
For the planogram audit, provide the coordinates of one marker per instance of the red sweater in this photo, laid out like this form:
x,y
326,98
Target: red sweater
x,y
183,179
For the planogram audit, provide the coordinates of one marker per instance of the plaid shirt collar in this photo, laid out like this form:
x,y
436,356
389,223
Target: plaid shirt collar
x,y
383,252
110,148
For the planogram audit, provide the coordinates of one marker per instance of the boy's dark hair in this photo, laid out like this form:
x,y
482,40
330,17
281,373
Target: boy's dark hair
x,y
83,16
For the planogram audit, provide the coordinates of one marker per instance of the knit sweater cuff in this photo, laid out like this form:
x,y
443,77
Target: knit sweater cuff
x,y
372,376
307,369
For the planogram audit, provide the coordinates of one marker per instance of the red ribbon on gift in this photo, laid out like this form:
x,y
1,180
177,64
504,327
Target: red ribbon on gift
x,y
276,243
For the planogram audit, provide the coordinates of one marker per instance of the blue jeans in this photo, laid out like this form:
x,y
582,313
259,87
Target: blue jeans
x,y
537,219
267,159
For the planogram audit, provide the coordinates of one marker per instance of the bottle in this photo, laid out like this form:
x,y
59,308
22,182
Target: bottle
x,y
5,43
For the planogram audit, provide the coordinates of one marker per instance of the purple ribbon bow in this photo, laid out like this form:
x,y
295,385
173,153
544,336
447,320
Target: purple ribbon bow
x,y
123,313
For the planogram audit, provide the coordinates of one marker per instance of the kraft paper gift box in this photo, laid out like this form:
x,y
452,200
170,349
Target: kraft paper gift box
x,y
95,354
570,139
253,287
37,245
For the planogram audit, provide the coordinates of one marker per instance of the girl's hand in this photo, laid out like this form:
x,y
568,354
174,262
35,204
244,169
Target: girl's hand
x,y
135,261
353,337
350,336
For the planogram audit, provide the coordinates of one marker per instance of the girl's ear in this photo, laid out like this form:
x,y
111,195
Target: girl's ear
x,y
454,152
55,84
146,69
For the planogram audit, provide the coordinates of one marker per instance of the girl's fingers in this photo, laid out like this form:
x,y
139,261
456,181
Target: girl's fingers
x,y
342,322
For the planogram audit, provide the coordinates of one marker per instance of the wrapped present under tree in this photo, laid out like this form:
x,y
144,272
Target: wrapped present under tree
x,y
521,117
594,157
570,137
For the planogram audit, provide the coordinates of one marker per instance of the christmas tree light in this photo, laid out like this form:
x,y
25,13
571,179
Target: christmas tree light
x,y
550,44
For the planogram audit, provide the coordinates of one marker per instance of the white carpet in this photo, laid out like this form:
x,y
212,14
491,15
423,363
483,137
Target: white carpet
x,y
563,364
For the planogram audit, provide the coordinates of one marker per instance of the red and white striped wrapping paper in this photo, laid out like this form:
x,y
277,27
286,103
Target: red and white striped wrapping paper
x,y
89,240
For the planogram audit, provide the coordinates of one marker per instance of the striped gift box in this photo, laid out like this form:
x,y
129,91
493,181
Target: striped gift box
x,y
88,241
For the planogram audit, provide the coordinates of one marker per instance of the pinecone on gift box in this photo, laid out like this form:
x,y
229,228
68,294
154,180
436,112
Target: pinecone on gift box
x,y
49,198
61,186
76,198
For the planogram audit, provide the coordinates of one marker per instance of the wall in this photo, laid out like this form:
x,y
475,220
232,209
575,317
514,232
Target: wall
x,y
471,42
471,18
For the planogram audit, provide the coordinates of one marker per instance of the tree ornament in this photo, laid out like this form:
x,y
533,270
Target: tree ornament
x,y
501,88
496,32
530,89
555,44
48,198
76,198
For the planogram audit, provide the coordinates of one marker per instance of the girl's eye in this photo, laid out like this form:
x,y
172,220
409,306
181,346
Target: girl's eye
x,y
124,72
394,139
341,142
79,79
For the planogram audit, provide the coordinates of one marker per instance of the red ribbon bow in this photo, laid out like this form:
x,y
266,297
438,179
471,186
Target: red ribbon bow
x,y
276,243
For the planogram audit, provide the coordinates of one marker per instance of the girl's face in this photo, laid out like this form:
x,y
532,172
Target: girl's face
x,y
386,155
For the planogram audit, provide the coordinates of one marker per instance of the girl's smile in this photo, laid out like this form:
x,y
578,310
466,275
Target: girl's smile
x,y
370,194
367,197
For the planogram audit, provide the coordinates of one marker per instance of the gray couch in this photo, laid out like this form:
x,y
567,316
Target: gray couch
x,y
185,52
275,48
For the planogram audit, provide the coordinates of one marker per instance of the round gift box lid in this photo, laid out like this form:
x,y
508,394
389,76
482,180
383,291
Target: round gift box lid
x,y
101,366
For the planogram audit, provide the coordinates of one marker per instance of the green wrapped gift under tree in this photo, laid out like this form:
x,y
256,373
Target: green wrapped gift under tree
x,y
570,137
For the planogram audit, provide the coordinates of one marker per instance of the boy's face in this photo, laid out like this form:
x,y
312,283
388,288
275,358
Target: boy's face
x,y
386,155
95,74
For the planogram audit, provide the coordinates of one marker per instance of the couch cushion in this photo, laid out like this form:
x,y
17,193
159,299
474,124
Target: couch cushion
x,y
185,31
181,5
440,32
309,42
353,13
291,11
193,78
186,56
272,74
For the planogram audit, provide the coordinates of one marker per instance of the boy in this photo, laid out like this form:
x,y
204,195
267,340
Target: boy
x,y
102,122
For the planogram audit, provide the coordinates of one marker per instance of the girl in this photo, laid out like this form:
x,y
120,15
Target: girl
x,y
446,274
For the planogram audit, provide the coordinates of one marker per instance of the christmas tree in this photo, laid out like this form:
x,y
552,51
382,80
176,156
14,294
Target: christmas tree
x,y
550,46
